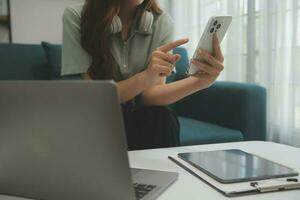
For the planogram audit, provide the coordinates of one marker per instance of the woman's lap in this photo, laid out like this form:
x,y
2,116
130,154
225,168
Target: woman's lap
x,y
151,127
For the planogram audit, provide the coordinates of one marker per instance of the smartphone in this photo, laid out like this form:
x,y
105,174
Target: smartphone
x,y
217,24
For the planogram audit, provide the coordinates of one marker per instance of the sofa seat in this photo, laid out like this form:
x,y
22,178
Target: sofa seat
x,y
194,132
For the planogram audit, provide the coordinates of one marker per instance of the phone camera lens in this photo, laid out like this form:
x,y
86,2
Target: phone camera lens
x,y
215,23
212,30
219,26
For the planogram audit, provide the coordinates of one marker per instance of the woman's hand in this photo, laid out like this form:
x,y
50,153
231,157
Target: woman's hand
x,y
212,65
161,63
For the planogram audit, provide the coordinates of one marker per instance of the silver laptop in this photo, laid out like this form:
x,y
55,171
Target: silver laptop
x,y
66,140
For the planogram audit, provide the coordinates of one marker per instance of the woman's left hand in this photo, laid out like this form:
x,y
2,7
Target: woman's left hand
x,y
211,66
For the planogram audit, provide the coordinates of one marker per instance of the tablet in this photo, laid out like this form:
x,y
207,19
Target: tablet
x,y
235,166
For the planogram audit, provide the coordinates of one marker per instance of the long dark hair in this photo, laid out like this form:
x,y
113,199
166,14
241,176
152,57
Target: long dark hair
x,y
96,20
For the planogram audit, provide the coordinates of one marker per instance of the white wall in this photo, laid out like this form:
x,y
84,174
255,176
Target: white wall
x,y
3,7
4,34
34,21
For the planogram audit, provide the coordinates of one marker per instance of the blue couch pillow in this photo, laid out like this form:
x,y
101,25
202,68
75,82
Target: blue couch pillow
x,y
53,54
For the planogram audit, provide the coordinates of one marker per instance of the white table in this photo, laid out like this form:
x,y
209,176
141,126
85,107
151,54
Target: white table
x,y
189,187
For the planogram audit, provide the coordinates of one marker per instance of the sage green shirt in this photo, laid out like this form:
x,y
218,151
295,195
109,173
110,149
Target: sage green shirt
x,y
130,57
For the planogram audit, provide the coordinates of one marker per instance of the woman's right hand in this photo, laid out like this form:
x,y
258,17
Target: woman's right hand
x,y
162,63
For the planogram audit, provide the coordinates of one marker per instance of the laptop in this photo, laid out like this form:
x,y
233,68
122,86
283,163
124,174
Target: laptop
x,y
66,140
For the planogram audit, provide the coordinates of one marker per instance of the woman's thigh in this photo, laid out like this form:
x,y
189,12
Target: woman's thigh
x,y
151,127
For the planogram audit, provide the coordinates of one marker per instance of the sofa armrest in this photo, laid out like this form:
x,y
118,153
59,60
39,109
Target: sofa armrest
x,y
232,105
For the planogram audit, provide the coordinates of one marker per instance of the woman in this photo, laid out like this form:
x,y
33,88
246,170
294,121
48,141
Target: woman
x,y
129,41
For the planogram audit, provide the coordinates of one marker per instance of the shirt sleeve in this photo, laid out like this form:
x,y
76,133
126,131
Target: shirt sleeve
x,y
75,60
167,28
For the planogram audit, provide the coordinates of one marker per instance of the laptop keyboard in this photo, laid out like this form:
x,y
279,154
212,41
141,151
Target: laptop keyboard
x,y
142,190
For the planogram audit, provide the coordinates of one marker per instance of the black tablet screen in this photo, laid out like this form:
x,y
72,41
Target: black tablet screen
x,y
232,166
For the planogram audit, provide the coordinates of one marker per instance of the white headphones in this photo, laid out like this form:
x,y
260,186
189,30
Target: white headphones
x,y
145,24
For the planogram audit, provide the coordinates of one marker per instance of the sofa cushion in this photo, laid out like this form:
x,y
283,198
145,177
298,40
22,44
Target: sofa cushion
x,y
53,54
195,132
23,62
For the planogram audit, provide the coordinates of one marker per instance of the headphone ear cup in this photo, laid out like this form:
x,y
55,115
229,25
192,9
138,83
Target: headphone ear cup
x,y
116,25
146,21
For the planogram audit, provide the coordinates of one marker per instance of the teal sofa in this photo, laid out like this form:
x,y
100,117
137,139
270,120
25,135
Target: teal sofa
x,y
226,112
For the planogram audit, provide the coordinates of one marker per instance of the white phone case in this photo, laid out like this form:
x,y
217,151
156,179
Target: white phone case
x,y
217,24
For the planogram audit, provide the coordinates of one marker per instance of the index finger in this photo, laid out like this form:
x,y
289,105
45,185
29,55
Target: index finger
x,y
217,48
172,45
